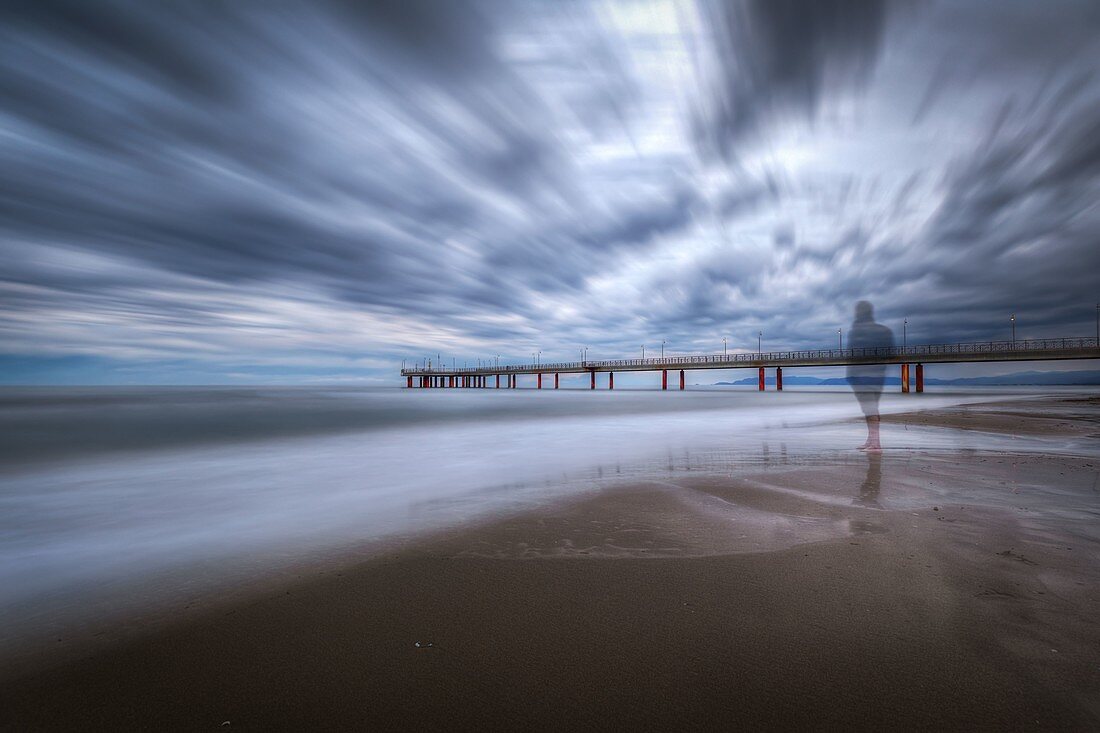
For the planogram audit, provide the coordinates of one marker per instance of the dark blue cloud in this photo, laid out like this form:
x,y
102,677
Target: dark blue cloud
x,y
323,188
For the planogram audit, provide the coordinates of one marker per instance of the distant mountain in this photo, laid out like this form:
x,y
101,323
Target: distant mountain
x,y
1019,379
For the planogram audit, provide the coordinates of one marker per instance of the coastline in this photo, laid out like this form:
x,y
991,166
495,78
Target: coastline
x,y
924,589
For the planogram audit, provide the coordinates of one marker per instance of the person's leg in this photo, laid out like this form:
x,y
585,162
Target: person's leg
x,y
868,400
873,443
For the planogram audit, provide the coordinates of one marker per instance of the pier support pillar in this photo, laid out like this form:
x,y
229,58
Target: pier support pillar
x,y
540,380
681,380
498,381
760,380
905,377
512,381
664,379
779,379
408,382
555,380
611,380
920,378
593,380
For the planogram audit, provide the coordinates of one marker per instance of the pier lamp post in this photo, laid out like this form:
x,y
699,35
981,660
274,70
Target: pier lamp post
x,y
643,345
662,348
1012,319
840,339
759,341
584,355
904,327
1098,325
538,359
724,350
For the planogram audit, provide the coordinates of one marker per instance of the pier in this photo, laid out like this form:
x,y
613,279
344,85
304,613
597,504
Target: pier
x,y
910,360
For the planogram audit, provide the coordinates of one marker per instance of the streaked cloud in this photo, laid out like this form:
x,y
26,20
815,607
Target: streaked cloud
x,y
327,188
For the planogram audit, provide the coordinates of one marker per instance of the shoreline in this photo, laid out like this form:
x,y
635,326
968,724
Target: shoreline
x,y
862,592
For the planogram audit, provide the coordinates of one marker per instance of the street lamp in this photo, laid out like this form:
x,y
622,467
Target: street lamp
x,y
538,359
840,338
759,340
724,353
662,348
643,345
1013,320
584,355
1098,325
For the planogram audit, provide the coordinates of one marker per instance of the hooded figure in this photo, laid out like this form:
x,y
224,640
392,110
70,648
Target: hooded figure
x,y
866,380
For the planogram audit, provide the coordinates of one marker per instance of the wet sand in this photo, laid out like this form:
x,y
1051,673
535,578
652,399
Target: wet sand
x,y
910,589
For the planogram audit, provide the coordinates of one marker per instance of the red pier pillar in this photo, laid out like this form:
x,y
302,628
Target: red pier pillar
x,y
593,373
760,380
681,380
664,379
512,378
905,377
555,380
920,378
779,379
408,382
540,380
611,380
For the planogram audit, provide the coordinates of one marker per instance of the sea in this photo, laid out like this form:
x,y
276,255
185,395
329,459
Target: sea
x,y
123,500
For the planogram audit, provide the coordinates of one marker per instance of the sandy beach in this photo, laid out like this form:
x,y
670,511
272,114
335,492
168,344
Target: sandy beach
x,y
932,589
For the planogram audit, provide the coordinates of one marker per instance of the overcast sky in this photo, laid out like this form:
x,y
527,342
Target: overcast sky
x,y
248,191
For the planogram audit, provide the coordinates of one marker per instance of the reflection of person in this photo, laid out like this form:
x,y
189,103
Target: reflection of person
x,y
866,380
868,490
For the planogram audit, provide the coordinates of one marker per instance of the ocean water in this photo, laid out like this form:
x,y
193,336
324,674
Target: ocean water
x,y
114,499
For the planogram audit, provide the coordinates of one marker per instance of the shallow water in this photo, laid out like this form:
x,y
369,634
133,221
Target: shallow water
x,y
175,490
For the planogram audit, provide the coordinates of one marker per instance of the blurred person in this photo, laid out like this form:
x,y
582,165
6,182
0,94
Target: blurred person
x,y
866,380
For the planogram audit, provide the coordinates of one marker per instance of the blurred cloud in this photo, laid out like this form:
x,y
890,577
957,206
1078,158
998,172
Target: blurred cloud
x,y
328,188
